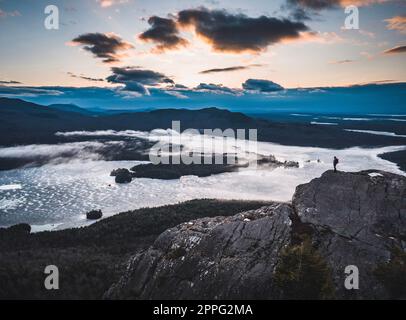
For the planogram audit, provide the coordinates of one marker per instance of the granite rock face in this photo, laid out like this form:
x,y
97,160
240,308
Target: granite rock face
x,y
351,219
357,218
211,258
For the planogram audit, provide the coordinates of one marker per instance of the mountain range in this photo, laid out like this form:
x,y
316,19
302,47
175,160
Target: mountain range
x,y
23,122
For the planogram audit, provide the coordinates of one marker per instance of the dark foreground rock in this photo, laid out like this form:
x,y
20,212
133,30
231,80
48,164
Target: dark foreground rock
x,y
282,250
357,219
221,257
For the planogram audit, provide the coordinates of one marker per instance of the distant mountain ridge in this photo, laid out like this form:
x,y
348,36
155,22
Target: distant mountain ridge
x,y
23,122
71,108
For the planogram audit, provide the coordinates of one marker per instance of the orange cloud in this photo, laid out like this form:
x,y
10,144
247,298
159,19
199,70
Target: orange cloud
x,y
397,23
361,3
109,3
323,4
315,37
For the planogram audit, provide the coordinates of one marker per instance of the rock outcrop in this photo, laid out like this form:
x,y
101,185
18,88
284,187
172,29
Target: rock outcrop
x,y
221,257
94,214
356,218
346,219
122,175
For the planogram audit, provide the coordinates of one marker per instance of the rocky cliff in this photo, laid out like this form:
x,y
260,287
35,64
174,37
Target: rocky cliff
x,y
298,250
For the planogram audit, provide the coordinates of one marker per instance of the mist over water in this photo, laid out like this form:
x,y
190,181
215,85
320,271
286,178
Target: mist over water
x,y
58,195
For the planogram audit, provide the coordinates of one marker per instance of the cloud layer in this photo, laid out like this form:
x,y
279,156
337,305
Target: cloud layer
x,y
136,80
23,91
106,46
214,88
9,82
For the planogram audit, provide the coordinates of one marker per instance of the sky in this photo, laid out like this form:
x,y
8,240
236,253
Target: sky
x,y
139,48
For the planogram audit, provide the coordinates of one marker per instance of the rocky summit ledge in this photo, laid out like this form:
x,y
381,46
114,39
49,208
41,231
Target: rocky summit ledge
x,y
357,219
284,251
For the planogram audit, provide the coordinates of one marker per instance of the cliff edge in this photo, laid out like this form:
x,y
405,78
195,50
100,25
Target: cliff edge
x,y
285,251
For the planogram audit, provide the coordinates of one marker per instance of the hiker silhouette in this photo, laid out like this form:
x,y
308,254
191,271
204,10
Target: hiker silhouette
x,y
335,162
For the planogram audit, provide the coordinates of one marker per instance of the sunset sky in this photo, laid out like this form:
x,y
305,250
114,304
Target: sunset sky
x,y
119,51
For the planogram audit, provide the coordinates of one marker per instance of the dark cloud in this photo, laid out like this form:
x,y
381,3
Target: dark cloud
x,y
215,88
133,86
261,85
316,4
398,49
229,69
84,77
300,14
107,46
164,32
9,82
238,32
179,86
147,77
387,81
342,61
136,79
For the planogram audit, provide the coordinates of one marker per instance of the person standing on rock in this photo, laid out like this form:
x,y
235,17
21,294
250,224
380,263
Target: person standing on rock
x,y
335,162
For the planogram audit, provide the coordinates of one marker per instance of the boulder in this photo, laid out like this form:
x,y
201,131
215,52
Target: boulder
x,y
94,214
